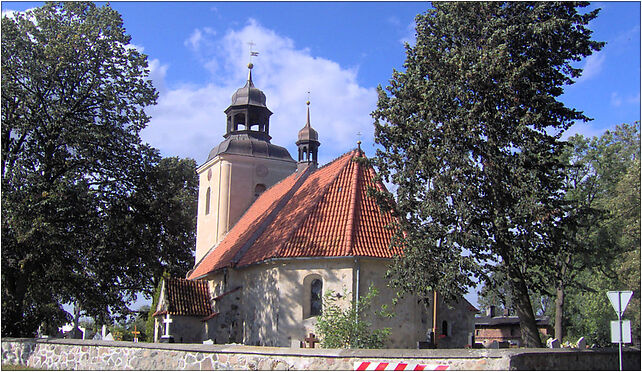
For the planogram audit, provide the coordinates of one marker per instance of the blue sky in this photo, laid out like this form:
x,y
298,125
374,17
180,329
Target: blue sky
x,y
340,52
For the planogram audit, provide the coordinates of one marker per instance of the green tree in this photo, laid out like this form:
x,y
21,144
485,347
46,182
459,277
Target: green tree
x,y
345,324
588,238
470,135
79,188
614,160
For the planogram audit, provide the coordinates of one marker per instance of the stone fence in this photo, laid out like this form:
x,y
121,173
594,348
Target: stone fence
x,y
119,355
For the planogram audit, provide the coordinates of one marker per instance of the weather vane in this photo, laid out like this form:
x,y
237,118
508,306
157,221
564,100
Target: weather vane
x,y
308,101
252,53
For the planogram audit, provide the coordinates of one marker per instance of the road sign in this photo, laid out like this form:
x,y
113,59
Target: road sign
x,y
626,331
619,300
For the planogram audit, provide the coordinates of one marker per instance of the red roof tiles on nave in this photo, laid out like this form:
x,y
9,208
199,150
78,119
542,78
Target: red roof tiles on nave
x,y
324,213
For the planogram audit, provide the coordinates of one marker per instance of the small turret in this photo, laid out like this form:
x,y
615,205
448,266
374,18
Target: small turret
x,y
308,144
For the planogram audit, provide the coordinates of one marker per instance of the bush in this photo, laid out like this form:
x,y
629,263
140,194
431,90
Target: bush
x,y
347,326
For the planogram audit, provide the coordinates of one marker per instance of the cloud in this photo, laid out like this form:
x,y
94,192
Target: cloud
x,y
157,73
194,40
197,37
592,66
189,120
617,100
584,129
9,13
410,36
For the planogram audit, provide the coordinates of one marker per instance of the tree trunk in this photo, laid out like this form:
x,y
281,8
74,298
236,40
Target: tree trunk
x,y
559,311
524,309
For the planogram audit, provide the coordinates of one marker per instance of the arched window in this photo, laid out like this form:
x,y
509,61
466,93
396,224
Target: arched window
x,y
207,201
444,328
316,304
258,190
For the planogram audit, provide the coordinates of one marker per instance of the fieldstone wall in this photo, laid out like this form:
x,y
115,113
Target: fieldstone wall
x,y
100,355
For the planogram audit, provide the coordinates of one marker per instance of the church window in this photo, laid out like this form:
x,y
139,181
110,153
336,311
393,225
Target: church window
x,y
316,289
444,328
258,190
207,201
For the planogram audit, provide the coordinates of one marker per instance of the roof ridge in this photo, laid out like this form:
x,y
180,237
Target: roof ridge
x,y
263,225
349,234
335,159
313,205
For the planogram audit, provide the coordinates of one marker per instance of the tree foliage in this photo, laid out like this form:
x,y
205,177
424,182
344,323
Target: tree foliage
x,y
91,215
346,325
614,178
470,135
600,249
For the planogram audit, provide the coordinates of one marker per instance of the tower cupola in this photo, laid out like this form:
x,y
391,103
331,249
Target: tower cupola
x,y
308,143
248,113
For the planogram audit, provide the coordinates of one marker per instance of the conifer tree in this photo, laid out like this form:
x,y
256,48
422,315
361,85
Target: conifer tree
x,y
470,134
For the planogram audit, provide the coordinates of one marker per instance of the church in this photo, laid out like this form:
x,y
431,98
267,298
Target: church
x,y
274,234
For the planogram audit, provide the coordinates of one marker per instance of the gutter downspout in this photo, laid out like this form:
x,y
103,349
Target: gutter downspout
x,y
356,302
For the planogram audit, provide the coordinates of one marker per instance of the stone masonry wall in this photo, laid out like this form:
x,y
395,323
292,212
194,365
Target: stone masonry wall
x,y
100,355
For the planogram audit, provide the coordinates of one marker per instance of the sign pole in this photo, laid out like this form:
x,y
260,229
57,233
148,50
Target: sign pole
x,y
619,320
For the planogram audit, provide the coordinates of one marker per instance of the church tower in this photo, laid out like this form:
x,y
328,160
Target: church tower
x,y
238,169
308,144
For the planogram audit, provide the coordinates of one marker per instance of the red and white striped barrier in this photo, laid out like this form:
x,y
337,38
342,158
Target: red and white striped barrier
x,y
381,366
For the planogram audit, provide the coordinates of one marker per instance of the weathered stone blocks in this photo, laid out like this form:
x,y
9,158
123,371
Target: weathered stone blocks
x,y
101,355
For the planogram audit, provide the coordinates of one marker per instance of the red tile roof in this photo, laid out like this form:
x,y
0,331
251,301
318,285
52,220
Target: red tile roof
x,y
187,297
321,213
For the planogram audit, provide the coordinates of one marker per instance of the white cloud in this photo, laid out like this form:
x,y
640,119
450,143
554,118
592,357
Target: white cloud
x,y
197,37
592,66
617,100
410,36
189,119
9,13
157,73
194,41
584,129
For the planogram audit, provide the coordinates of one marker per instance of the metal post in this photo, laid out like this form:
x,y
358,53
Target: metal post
x,y
619,320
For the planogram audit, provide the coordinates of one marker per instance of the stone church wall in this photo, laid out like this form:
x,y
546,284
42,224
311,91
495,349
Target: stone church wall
x,y
272,307
296,276
60,354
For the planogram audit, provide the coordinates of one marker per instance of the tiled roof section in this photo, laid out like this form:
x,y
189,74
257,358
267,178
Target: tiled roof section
x,y
326,214
222,255
187,297
372,234
303,228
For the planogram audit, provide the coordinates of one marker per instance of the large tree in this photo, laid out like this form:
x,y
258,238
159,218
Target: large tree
x,y
590,235
611,185
470,133
80,192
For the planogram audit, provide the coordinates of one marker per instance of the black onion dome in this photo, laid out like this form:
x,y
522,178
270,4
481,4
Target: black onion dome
x,y
246,144
249,94
308,133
